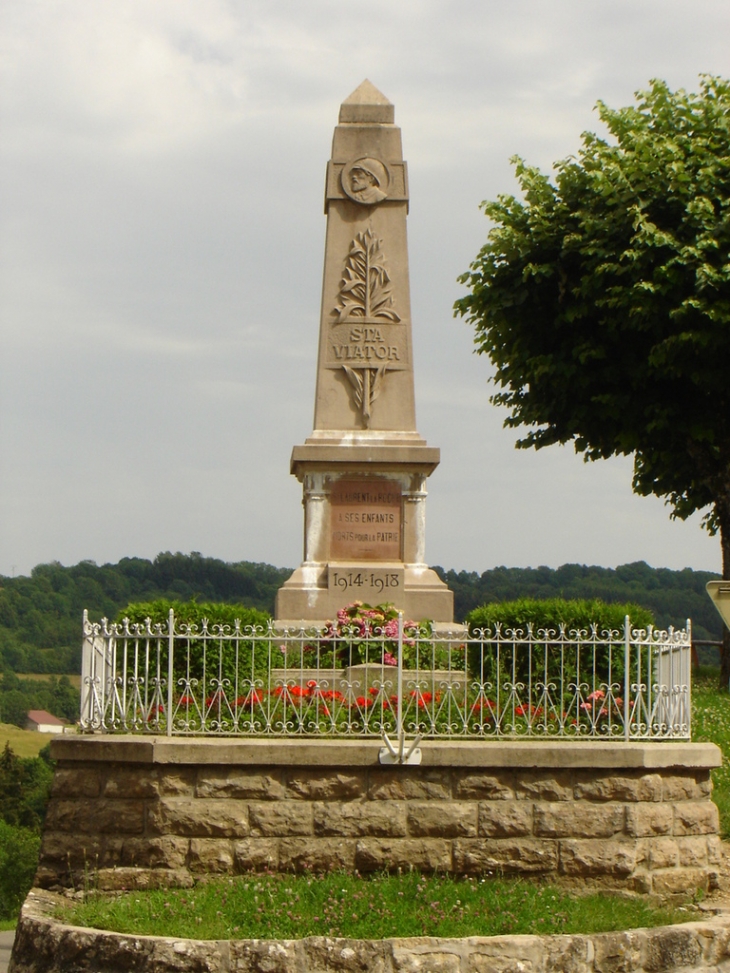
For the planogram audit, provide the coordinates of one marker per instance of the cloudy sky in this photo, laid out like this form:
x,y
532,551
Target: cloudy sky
x,y
162,180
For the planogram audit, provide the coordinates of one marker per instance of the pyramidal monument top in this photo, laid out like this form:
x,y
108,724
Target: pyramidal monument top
x,y
364,467
367,105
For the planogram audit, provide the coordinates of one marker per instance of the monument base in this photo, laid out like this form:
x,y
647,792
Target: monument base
x,y
150,811
315,592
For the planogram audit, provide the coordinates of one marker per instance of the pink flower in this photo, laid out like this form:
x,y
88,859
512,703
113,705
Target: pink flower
x,y
389,660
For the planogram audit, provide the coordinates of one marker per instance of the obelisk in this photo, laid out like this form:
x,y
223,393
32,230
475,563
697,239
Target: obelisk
x,y
364,467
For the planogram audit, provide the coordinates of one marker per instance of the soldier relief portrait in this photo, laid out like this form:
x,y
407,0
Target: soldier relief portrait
x,y
366,181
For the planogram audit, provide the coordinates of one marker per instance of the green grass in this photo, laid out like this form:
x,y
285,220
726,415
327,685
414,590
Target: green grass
x,y
24,743
711,722
272,906
73,677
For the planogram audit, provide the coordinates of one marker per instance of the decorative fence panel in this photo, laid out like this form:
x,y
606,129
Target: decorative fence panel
x,y
354,681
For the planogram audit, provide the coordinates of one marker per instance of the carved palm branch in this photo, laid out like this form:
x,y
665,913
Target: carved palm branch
x,y
366,288
366,384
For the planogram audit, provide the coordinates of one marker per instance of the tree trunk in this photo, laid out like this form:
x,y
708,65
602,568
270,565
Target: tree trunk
x,y
724,518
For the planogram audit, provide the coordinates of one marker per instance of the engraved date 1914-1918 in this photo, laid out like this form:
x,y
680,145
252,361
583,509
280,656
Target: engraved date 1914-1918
x,y
349,580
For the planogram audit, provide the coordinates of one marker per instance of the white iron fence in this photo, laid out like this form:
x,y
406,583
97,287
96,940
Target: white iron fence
x,y
350,681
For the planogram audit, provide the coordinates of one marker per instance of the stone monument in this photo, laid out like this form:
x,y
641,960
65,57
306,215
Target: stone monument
x,y
364,467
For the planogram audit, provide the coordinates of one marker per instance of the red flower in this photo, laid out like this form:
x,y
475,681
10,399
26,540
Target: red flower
x,y
186,701
255,696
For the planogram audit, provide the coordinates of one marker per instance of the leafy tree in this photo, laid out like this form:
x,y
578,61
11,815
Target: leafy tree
x,y
603,300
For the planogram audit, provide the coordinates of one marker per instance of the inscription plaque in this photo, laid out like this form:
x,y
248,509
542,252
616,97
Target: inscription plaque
x,y
366,582
365,520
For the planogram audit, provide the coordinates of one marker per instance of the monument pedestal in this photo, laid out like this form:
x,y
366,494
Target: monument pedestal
x,y
364,533
364,468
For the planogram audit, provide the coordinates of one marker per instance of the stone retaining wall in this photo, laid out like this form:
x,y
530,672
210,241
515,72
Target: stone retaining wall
x,y
152,811
44,944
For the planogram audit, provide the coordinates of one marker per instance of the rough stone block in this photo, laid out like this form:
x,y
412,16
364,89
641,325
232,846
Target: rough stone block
x,y
101,816
322,955
81,781
478,856
618,952
645,788
118,879
131,782
568,954
539,786
649,819
177,783
503,954
470,785
424,854
59,849
597,857
578,820
199,818
211,855
361,818
693,852
678,880
167,851
410,957
265,956
256,854
672,949
240,784
317,854
394,784
454,819
280,818
61,814
662,853
505,819
696,818
686,787
714,849
313,785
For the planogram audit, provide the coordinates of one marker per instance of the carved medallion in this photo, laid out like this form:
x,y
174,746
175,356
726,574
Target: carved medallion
x,y
366,181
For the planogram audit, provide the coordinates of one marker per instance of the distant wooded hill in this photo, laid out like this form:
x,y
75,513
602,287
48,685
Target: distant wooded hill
x,y
40,615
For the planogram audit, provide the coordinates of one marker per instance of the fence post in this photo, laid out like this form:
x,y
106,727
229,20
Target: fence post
x,y
686,664
170,671
399,690
87,661
627,674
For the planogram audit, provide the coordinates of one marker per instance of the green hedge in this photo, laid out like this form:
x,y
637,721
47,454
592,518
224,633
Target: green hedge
x,y
552,612
19,850
554,663
193,613
221,661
